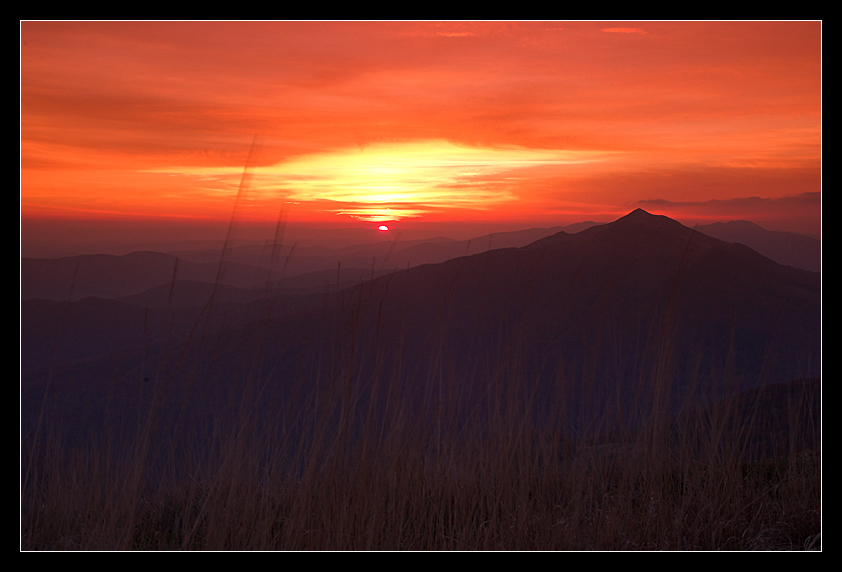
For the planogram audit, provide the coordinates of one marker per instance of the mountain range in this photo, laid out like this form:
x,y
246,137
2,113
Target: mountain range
x,y
613,323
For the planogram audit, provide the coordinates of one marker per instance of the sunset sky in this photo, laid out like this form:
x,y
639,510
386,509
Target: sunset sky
x,y
412,123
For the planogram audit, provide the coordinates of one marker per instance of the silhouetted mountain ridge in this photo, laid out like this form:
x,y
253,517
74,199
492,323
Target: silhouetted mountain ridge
x,y
645,284
112,276
789,248
622,319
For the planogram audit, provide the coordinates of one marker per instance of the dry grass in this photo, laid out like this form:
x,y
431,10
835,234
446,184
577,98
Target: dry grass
x,y
348,461
405,483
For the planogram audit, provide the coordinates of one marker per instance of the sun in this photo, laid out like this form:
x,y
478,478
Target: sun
x,y
403,180
383,227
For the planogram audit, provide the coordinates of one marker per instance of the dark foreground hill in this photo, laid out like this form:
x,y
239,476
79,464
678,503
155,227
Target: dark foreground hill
x,y
614,323
636,385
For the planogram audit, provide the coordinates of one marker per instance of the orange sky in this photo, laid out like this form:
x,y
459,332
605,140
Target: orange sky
x,y
535,122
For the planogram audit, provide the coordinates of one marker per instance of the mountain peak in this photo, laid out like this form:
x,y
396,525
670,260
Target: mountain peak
x,y
640,215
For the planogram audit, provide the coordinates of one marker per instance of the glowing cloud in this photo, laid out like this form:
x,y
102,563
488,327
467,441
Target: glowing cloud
x,y
399,180
390,120
624,30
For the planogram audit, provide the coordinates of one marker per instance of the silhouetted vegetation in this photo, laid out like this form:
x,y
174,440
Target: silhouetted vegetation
x,y
335,429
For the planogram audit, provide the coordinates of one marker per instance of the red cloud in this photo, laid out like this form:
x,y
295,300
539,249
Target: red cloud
x,y
625,30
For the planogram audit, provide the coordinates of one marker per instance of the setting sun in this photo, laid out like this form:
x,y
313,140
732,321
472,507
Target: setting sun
x,y
358,122
419,285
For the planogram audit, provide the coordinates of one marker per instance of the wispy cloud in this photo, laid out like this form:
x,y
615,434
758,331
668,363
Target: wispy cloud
x,y
624,30
800,199
433,174
798,213
158,117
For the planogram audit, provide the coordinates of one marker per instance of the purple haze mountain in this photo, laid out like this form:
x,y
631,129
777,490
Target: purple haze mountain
x,y
247,268
789,248
613,322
